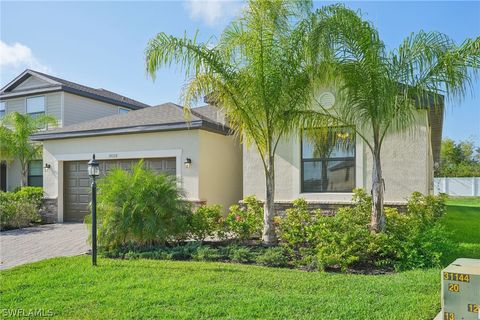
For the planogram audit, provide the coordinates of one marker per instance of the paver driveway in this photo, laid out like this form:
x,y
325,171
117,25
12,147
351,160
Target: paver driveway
x,y
42,242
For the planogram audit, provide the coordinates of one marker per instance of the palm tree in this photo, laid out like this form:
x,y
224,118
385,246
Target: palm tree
x,y
15,132
256,72
379,91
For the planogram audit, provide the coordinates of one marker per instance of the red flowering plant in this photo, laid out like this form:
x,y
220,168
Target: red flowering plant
x,y
245,222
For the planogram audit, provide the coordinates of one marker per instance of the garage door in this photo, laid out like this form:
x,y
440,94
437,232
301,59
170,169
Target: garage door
x,y
76,182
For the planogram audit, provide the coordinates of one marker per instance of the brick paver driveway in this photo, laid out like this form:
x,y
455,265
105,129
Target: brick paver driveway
x,y
42,242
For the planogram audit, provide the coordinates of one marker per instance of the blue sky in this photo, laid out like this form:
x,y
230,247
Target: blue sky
x,y
101,44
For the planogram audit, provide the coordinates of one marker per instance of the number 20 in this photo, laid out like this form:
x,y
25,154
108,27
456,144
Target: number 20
x,y
453,287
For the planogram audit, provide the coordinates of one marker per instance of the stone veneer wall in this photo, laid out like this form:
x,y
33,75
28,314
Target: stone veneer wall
x,y
328,208
49,210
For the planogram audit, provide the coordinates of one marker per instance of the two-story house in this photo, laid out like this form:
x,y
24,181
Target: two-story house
x,y
35,93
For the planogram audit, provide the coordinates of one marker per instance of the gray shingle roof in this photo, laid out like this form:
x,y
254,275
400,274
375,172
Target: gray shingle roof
x,y
72,87
164,117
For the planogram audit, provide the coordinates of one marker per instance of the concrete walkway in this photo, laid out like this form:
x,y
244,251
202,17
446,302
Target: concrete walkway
x,y
42,242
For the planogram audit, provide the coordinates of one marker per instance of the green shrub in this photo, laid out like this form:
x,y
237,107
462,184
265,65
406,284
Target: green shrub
x,y
20,209
273,257
298,229
185,252
206,253
141,207
414,239
207,221
241,254
246,222
30,194
344,239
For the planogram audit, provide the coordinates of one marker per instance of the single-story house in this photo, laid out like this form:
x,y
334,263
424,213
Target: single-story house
x,y
326,176
212,167
199,150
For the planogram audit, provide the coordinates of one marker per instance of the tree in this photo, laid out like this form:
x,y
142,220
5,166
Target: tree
x,y
380,91
256,72
15,132
458,159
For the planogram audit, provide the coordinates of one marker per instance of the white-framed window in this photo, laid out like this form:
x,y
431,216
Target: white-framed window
x,y
123,110
3,105
36,106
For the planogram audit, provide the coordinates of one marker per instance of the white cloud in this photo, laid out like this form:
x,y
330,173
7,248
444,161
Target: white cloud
x,y
212,12
19,56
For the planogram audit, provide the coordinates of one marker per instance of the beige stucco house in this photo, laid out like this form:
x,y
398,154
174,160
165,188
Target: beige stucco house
x,y
199,150
37,93
210,165
326,178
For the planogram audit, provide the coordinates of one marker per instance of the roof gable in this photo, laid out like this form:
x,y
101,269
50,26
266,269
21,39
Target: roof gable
x,y
31,82
27,80
34,82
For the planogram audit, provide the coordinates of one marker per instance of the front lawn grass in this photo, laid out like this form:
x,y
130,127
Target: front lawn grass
x,y
464,201
146,289
463,221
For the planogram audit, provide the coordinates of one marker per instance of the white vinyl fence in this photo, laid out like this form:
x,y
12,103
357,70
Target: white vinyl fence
x,y
460,187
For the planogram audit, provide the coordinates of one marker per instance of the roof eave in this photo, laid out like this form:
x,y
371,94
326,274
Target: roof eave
x,y
19,94
101,98
134,130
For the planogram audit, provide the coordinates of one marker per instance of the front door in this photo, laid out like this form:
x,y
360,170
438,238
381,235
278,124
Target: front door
x,y
3,176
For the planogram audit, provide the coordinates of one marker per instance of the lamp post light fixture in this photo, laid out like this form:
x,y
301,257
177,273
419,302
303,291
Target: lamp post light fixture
x,y
94,172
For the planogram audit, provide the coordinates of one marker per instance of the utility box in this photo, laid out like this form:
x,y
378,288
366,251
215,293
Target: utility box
x,y
461,290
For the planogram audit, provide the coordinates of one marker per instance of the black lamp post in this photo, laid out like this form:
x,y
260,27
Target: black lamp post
x,y
94,172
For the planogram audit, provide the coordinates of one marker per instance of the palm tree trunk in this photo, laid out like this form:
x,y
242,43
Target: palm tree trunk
x,y
378,217
268,235
24,175
324,176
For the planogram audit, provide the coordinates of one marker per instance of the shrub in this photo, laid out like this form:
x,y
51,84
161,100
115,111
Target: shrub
x,y
30,194
273,257
417,237
206,253
207,221
241,254
298,229
344,239
246,222
414,239
20,209
141,207
185,252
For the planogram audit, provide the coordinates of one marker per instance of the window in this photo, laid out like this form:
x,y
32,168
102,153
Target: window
x,y
328,160
36,106
123,110
2,109
35,173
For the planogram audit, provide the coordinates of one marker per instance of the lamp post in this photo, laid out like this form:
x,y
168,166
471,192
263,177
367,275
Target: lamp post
x,y
94,172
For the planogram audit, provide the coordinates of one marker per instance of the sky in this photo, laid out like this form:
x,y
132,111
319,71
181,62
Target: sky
x,y
101,44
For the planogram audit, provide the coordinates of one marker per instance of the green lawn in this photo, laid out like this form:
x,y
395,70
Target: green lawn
x,y
121,289
464,201
463,220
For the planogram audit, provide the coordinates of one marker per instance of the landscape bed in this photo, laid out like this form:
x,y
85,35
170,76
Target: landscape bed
x,y
121,289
